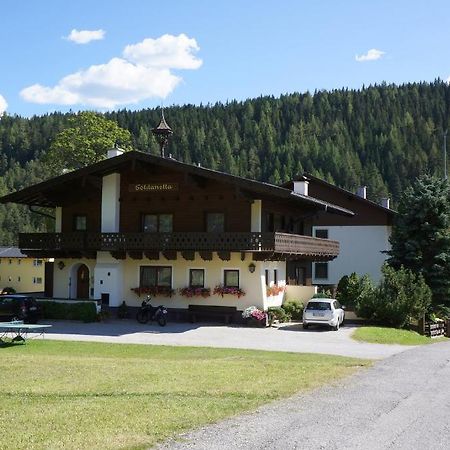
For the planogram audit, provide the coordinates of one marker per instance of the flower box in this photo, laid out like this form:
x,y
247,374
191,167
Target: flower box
x,y
195,292
274,290
154,291
222,290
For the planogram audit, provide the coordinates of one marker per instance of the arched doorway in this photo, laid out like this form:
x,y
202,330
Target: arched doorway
x,y
83,281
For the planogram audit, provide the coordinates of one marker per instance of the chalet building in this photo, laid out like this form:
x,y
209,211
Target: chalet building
x,y
363,237
20,272
137,223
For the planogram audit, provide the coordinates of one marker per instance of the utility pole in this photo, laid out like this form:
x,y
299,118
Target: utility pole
x,y
445,154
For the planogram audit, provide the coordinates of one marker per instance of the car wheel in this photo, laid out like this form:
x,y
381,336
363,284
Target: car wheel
x,y
305,326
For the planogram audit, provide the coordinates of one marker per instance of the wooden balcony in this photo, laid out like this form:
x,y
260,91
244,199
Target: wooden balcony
x,y
268,245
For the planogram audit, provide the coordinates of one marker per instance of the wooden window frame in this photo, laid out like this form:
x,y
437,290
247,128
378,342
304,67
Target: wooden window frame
x,y
158,221
225,271
74,222
190,278
142,268
207,213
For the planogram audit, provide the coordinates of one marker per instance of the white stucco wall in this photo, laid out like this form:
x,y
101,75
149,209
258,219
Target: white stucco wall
x,y
360,251
118,277
110,203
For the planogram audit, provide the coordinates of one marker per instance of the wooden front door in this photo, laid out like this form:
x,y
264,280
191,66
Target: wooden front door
x,y
83,282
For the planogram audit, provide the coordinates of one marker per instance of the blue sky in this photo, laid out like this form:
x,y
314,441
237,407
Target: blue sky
x,y
199,51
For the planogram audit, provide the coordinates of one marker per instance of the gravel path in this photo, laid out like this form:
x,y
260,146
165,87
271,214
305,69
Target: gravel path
x,y
287,338
402,402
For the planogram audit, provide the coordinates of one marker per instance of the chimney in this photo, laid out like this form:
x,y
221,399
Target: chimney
x,y
362,192
113,152
385,202
301,187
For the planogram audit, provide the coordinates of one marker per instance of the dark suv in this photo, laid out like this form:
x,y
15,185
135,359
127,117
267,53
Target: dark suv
x,y
20,307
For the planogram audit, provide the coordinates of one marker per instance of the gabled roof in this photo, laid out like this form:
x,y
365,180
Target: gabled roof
x,y
11,252
309,177
40,194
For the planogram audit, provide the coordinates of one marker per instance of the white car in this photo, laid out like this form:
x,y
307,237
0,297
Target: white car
x,y
323,311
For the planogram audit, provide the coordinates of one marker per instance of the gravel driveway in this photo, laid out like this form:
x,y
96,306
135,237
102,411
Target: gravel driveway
x,y
403,402
291,338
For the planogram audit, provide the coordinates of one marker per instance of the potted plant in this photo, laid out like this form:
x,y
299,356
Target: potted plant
x,y
222,290
195,292
254,317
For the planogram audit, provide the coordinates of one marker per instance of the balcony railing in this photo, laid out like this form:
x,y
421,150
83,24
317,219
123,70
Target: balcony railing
x,y
181,241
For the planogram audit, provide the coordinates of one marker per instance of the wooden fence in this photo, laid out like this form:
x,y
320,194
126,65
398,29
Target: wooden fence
x,y
434,329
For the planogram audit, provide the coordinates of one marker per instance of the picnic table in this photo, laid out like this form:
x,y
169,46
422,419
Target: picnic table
x,y
17,331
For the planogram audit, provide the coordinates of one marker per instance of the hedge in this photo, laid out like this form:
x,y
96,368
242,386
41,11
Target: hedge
x,y
84,311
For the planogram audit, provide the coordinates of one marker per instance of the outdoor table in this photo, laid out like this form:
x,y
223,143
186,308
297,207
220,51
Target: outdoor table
x,y
17,331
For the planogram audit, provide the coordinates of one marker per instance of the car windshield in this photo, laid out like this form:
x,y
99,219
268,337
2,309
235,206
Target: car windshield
x,y
319,306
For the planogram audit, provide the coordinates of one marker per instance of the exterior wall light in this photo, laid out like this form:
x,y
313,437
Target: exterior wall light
x,y
61,265
251,267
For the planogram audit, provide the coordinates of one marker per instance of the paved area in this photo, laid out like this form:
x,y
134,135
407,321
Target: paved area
x,y
291,337
402,402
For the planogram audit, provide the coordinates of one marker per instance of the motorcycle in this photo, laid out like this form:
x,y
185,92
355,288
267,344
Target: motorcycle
x,y
154,313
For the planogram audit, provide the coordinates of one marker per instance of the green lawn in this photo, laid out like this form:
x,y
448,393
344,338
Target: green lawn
x,y
381,335
80,395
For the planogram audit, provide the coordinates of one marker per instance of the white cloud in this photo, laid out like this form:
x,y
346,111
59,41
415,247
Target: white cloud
x,y
85,36
175,52
121,81
3,105
372,55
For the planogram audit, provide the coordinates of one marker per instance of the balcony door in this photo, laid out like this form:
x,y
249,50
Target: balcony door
x,y
83,282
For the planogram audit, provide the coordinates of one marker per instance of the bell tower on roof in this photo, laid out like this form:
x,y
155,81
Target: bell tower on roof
x,y
162,133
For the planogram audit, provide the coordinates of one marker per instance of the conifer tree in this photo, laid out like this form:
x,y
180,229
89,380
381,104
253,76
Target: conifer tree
x,y
421,236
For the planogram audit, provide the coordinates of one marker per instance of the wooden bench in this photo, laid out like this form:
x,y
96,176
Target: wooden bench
x,y
211,312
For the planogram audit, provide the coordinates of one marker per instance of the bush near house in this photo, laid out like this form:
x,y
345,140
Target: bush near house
x,y
294,309
352,288
84,311
278,313
401,297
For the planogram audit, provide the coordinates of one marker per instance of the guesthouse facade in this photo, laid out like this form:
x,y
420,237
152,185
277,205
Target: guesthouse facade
x,y
136,223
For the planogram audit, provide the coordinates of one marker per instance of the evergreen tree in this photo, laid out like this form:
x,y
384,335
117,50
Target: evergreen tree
x,y
421,235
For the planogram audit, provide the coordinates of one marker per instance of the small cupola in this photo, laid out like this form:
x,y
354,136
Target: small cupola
x,y
162,133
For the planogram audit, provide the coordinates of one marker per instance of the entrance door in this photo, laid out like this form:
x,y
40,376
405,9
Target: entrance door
x,y
83,282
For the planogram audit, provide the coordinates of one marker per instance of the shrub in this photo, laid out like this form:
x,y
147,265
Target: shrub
x,y
84,311
323,294
278,313
294,309
351,288
402,296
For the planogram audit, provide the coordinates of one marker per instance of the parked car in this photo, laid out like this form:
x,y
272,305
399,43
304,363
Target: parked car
x,y
323,311
21,307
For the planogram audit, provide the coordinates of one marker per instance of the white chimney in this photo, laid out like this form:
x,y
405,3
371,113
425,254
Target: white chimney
x,y
301,187
113,152
362,192
385,202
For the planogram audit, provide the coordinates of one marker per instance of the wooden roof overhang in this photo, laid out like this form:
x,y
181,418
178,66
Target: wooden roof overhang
x,y
54,192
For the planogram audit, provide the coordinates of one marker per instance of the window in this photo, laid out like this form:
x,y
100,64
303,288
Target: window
x,y
215,222
231,278
37,262
37,280
10,261
196,278
19,261
321,270
18,279
275,276
322,234
266,276
156,276
154,223
80,223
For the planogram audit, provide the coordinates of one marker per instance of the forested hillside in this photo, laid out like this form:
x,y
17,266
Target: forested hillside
x,y
381,136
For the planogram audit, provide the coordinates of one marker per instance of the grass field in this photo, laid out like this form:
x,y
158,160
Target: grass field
x,y
381,335
80,395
